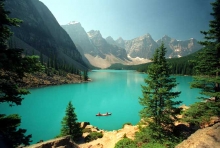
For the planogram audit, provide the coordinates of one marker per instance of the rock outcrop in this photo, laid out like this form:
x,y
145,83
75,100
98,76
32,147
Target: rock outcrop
x,y
203,138
104,48
63,142
177,48
94,47
79,36
145,46
142,47
110,138
102,52
107,54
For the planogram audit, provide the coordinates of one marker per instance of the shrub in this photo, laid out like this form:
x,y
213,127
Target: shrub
x,y
125,136
126,143
201,112
153,145
86,130
93,136
146,140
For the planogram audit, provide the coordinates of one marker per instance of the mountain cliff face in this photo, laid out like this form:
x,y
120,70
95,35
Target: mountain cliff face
x,y
94,47
104,47
80,38
110,40
142,47
145,46
41,32
177,48
102,52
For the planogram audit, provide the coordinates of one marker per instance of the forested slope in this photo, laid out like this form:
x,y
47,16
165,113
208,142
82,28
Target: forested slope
x,y
183,65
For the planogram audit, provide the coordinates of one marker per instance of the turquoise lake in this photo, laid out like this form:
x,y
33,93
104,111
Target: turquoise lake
x,y
109,91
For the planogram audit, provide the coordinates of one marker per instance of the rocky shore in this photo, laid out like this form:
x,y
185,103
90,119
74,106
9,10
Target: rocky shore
x,y
208,137
109,139
42,80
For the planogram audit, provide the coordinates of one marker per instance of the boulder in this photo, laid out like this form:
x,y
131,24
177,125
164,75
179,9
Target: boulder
x,y
203,138
84,124
89,126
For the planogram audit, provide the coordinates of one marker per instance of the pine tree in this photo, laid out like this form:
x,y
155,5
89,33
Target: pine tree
x,y
41,58
207,63
12,68
5,32
85,75
159,107
69,123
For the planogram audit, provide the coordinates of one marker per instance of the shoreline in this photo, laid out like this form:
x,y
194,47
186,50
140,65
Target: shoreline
x,y
40,80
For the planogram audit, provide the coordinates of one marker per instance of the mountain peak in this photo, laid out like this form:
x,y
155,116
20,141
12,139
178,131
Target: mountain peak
x,y
147,35
73,23
120,39
109,38
94,33
166,36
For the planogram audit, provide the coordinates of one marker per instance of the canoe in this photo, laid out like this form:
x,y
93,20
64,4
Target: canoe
x,y
107,114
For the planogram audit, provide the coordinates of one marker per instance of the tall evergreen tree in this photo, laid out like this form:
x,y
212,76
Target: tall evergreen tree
x,y
85,75
207,63
12,68
69,123
159,107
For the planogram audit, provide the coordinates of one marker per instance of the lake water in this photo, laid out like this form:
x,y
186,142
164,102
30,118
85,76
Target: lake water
x,y
110,91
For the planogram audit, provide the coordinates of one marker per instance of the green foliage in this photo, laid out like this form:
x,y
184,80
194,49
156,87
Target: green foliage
x,y
69,124
5,32
179,66
126,143
146,138
13,136
85,76
183,65
154,145
207,69
159,107
13,66
56,66
86,130
125,136
207,63
201,112
93,136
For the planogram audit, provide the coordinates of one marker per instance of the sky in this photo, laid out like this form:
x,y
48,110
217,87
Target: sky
x,y
179,19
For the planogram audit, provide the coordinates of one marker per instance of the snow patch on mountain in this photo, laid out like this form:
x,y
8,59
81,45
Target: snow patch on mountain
x,y
73,23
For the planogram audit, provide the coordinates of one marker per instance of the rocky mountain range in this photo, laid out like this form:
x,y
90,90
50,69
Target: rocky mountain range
x,y
177,48
40,33
95,48
144,46
102,52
